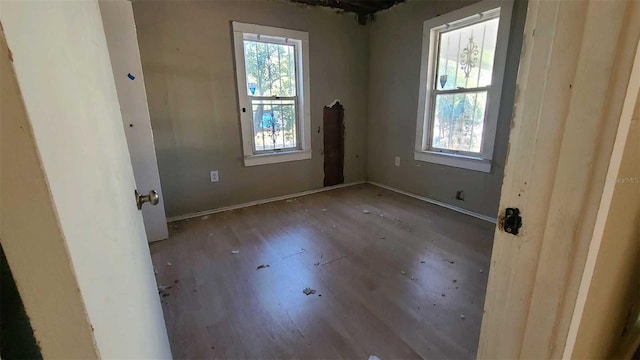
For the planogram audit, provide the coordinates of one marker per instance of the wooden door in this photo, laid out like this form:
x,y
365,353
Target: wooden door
x,y
122,41
572,83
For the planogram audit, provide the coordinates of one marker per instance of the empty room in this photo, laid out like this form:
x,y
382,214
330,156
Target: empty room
x,y
320,179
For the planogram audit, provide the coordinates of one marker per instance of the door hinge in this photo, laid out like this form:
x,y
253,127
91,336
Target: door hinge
x,y
512,222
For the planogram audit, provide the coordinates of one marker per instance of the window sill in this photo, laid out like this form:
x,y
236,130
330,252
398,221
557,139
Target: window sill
x,y
459,161
277,157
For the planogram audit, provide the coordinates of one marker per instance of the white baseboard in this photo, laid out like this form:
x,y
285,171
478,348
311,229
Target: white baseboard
x,y
309,192
258,202
436,202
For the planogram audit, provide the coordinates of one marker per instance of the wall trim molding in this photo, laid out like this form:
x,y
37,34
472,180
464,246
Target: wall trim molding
x,y
260,202
436,202
328,188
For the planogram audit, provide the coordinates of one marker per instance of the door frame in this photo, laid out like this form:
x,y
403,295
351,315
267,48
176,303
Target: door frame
x,y
571,88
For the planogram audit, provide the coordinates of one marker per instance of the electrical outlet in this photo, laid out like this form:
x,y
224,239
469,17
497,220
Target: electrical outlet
x,y
397,162
214,176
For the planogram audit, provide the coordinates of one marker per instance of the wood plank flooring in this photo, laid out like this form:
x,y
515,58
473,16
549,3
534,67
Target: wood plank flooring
x,y
406,280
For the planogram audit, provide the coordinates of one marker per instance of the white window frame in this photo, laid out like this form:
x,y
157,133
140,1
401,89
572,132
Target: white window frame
x,y
300,40
423,151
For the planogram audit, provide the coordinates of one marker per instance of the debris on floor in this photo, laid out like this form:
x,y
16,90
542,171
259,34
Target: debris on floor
x,y
382,237
235,251
381,215
176,281
262,266
324,210
177,227
413,278
403,272
317,264
204,217
481,271
422,261
366,211
462,317
373,357
449,261
169,263
308,291
443,295
155,271
455,281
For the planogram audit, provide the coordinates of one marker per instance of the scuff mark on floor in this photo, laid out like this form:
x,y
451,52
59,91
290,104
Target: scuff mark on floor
x,y
334,260
298,253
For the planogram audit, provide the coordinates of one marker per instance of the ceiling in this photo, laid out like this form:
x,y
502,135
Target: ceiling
x,y
364,8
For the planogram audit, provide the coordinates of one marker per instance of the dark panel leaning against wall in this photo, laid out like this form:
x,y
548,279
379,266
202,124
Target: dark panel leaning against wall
x,y
16,335
333,118
187,57
396,39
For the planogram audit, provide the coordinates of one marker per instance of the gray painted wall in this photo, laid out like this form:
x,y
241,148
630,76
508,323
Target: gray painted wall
x,y
187,59
394,73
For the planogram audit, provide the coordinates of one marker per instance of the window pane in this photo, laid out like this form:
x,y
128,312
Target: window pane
x,y
274,124
465,56
270,68
458,121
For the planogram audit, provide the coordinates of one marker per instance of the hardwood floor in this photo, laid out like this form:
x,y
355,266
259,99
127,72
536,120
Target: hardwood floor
x,y
404,281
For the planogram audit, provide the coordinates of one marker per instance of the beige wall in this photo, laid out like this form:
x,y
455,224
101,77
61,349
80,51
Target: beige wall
x,y
615,284
31,236
187,58
394,73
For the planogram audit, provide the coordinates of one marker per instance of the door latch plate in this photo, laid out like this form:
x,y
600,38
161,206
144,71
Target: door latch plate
x,y
512,221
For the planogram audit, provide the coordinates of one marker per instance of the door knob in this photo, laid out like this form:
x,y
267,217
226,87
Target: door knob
x,y
152,197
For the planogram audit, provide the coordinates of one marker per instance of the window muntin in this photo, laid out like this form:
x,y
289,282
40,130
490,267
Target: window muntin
x,y
461,83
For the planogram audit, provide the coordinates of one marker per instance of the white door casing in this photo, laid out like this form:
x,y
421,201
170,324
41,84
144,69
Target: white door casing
x,y
122,41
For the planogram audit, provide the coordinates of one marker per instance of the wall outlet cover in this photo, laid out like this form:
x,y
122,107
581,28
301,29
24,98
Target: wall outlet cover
x,y
214,176
397,161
